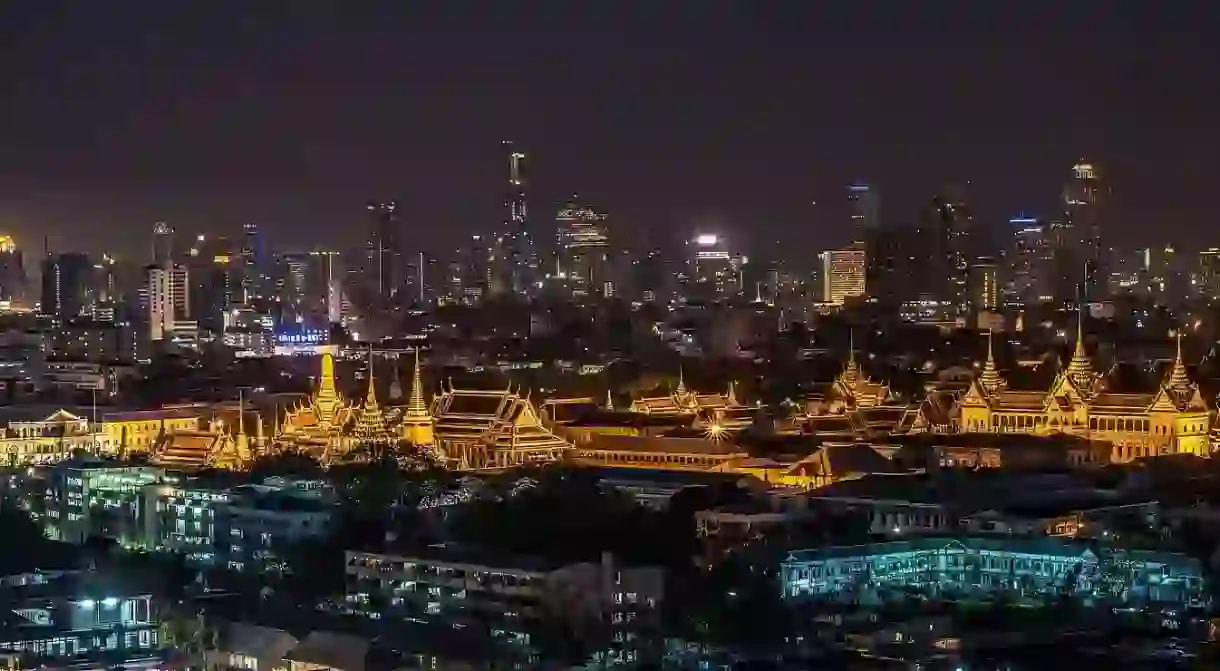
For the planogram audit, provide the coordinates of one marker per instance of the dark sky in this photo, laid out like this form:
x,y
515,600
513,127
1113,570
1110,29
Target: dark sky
x,y
670,115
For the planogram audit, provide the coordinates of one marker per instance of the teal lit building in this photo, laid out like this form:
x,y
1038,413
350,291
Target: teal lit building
x,y
964,567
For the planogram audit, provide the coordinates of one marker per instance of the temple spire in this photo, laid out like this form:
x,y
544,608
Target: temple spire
x,y
416,407
851,372
326,382
681,381
609,400
1178,379
1080,368
990,377
371,397
731,395
370,423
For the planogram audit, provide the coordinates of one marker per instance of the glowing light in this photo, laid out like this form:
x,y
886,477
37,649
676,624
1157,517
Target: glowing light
x,y
707,239
7,244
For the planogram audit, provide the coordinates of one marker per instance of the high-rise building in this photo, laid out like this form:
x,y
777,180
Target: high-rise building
x,y
168,291
515,258
948,219
383,269
162,244
583,262
984,285
1082,202
1209,272
469,275
67,284
12,272
865,210
1031,271
844,273
900,260
713,272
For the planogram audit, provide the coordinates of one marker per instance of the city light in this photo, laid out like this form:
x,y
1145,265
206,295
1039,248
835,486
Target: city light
x,y
707,239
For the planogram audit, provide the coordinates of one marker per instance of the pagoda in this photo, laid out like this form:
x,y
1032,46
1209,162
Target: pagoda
x,y
370,427
416,425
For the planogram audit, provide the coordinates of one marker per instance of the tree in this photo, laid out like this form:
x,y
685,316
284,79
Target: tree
x,y
286,464
186,636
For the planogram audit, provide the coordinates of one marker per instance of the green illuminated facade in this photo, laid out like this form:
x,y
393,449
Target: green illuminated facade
x,y
987,567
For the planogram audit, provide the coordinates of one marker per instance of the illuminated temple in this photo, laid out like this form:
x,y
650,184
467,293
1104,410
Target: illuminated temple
x,y
683,402
477,429
1171,419
854,428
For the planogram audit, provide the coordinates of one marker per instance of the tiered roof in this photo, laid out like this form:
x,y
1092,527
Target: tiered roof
x,y
499,420
682,401
370,422
1078,383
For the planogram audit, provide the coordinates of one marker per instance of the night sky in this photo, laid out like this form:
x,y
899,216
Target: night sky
x,y
670,115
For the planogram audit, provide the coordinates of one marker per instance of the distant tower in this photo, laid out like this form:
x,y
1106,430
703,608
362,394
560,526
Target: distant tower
x,y
384,258
162,244
12,271
1082,203
865,210
516,261
583,248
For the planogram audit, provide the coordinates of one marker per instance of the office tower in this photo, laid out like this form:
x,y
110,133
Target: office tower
x,y
67,283
168,291
652,278
713,273
324,281
1031,271
469,274
253,247
865,210
900,258
309,290
583,262
1209,272
162,244
843,274
1082,202
515,259
954,244
12,272
984,285
383,254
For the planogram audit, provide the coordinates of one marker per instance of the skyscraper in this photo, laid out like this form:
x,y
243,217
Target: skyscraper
x,y
384,256
1082,203
66,285
984,285
583,248
865,210
950,222
168,291
12,271
843,274
1031,271
516,264
713,274
162,244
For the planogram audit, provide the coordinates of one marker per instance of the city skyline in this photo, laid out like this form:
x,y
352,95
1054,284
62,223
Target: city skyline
x,y
737,119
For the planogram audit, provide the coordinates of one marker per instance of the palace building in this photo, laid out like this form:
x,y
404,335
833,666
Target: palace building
x,y
1172,419
491,429
320,426
682,402
853,389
